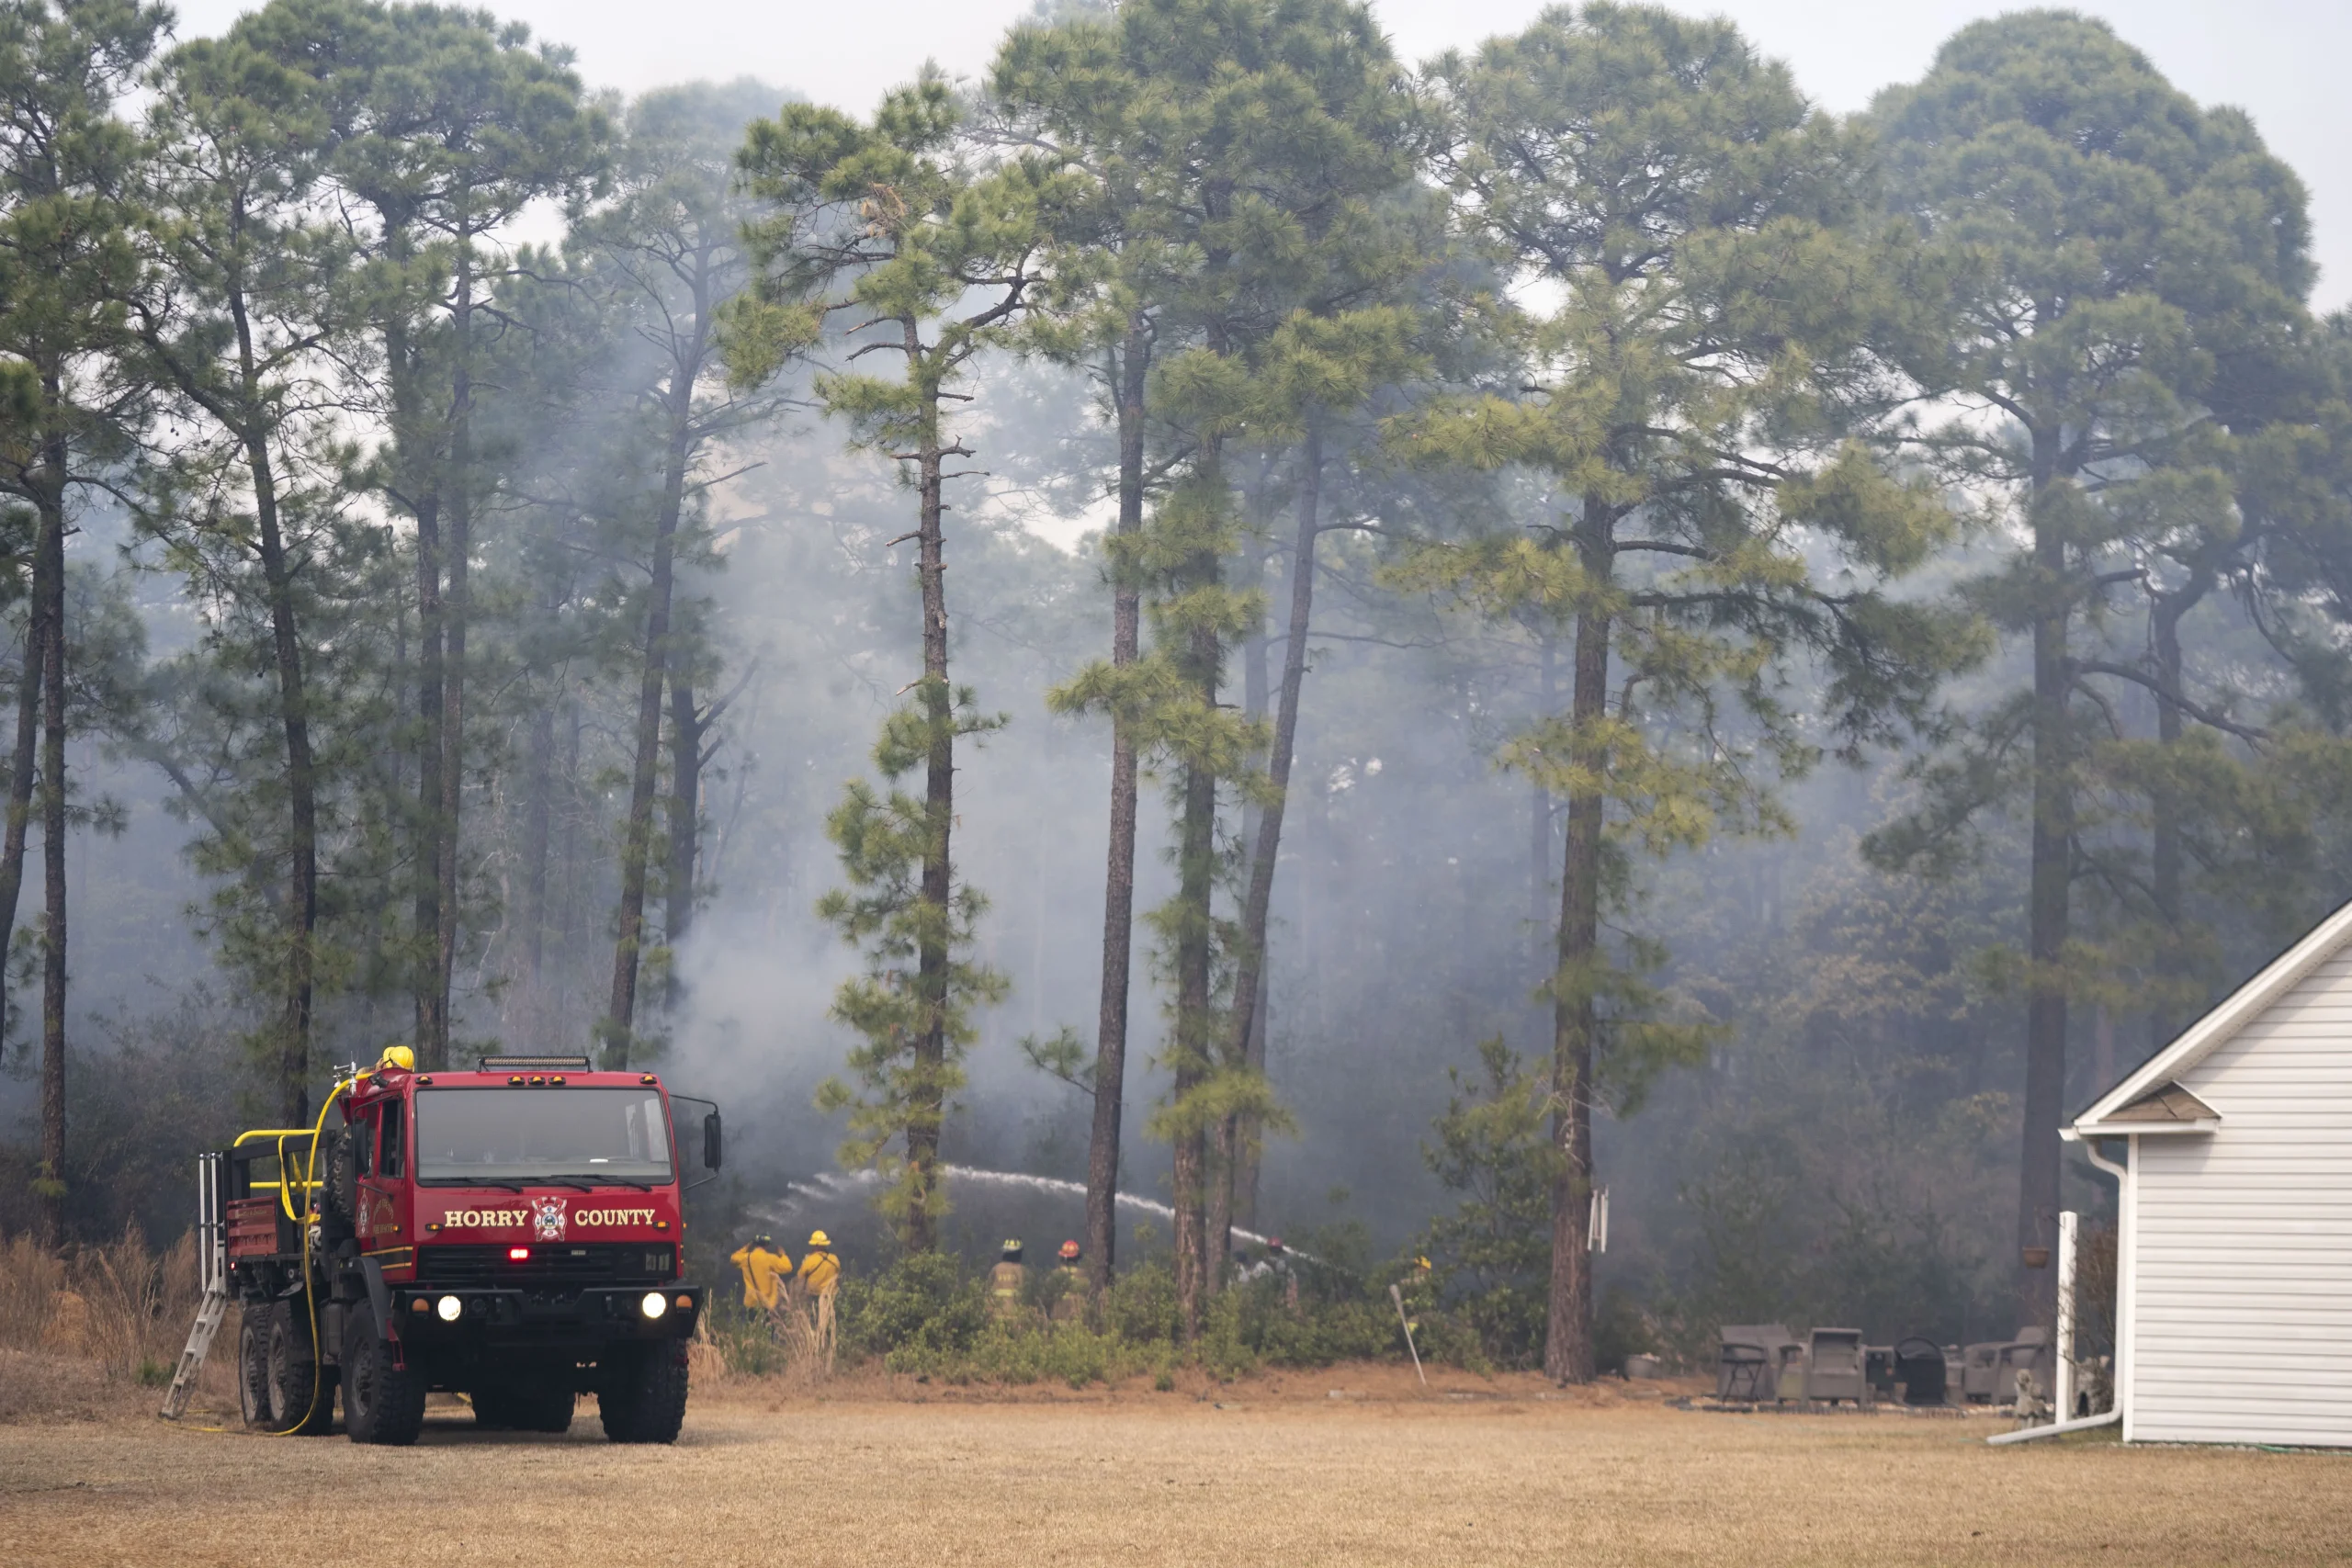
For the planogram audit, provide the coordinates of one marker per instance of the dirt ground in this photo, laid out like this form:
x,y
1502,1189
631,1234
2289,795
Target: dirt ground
x,y
1274,1471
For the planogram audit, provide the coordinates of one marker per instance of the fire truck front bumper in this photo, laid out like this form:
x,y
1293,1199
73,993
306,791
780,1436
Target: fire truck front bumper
x,y
427,1314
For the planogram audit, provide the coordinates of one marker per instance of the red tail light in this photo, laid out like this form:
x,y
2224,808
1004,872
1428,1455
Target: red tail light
x,y
518,1254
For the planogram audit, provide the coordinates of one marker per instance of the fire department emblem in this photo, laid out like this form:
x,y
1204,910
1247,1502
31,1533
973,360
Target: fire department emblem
x,y
546,1218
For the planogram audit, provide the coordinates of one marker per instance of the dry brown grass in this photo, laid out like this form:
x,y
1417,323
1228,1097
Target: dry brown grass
x,y
108,1321
1278,1475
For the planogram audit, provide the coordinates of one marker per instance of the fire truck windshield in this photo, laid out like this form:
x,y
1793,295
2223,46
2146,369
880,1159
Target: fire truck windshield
x,y
489,1136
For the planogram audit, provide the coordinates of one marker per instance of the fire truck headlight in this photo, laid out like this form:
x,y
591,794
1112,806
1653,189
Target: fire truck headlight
x,y
654,1304
448,1307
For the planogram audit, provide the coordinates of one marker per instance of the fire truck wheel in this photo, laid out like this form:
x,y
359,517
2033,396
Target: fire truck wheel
x,y
643,1397
383,1403
342,1173
298,1401
252,1366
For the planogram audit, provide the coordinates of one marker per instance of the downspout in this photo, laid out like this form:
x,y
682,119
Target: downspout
x,y
2090,1152
2106,1418
2058,1429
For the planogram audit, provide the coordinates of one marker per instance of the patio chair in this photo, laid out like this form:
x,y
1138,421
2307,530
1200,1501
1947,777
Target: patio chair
x,y
1878,1364
1834,1370
1773,1343
1980,1373
1743,1371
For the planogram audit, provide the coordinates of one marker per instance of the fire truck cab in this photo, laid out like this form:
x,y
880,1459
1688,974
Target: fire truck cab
x,y
512,1233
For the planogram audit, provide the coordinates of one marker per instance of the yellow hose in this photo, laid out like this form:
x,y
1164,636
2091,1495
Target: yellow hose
x,y
309,1213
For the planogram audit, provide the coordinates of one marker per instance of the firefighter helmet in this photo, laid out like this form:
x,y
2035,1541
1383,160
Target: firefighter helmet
x,y
819,1238
399,1056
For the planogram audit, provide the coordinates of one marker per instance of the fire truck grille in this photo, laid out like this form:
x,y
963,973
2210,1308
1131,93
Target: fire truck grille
x,y
587,1263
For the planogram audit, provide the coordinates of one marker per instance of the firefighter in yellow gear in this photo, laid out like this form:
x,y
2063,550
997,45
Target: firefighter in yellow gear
x,y
1007,1282
820,1275
1071,1277
821,1271
764,1270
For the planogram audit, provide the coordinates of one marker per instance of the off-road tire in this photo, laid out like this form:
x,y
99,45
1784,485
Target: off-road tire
x,y
341,1175
382,1404
643,1396
524,1409
253,1365
300,1401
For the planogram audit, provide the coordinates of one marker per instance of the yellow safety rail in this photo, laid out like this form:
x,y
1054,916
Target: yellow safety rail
x,y
282,1187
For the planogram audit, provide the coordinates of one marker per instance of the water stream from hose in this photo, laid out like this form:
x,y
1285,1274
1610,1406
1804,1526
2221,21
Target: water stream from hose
x,y
834,1184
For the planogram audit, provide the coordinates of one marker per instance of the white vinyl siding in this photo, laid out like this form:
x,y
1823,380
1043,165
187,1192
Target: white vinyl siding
x,y
2241,1276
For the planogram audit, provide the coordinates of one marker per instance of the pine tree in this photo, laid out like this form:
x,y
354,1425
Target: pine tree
x,y
1242,148
240,316
2114,249
443,126
65,261
1698,389
924,253
671,246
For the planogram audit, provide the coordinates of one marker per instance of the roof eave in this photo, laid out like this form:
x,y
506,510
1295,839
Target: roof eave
x,y
2234,1013
2142,1128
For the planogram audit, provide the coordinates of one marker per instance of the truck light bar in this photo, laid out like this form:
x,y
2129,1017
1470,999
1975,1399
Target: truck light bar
x,y
530,1063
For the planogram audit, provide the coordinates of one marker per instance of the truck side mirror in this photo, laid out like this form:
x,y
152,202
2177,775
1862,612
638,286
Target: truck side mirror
x,y
710,1140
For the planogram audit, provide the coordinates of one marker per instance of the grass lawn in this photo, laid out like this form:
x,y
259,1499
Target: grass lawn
x,y
1260,1473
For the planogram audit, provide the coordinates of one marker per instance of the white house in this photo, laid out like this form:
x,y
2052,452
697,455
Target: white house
x,y
2234,1252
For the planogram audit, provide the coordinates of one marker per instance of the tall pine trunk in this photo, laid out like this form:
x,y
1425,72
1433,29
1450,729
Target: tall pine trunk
x,y
1244,1137
687,724
24,765
1133,366
454,604
620,1014
52,546
1196,882
2164,862
1543,944
419,463
2047,907
1567,1337
929,1111
301,771
538,787
1250,979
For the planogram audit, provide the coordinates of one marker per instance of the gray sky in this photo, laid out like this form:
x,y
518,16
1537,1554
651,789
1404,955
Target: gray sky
x,y
2279,60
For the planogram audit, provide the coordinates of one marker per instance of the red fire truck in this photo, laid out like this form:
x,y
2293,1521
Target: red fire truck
x,y
512,1233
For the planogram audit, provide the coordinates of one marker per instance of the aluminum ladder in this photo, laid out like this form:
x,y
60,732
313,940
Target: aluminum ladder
x,y
212,1266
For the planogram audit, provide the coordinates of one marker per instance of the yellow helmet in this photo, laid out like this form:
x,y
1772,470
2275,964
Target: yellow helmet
x,y
819,1238
399,1056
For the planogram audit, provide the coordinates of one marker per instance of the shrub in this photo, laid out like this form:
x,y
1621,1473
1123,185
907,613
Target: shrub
x,y
1141,1303
1493,1253
924,1302
1035,1352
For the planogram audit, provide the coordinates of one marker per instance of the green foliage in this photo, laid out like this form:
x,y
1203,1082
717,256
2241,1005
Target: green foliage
x,y
1141,1303
886,842
924,1316
1710,395
923,1304
1492,1257
1621,1329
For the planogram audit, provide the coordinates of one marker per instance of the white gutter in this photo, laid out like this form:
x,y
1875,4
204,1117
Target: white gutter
x,y
2057,1428
2120,1394
2090,1148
